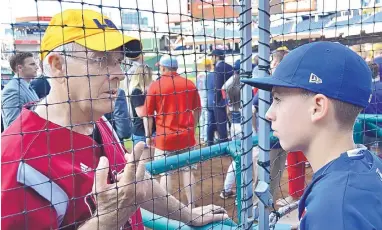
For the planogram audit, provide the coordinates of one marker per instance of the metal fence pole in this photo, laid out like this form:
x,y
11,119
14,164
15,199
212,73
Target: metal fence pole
x,y
246,95
264,101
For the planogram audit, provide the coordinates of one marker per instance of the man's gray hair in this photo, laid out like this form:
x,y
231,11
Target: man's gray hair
x,y
67,48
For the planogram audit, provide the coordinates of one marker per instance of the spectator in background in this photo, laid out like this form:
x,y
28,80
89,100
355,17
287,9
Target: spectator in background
x,y
176,103
41,86
217,115
120,117
204,67
232,89
255,61
377,51
360,50
371,140
131,65
139,83
18,91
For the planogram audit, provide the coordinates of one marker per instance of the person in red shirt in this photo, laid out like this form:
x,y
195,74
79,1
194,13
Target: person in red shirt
x,y
62,164
176,102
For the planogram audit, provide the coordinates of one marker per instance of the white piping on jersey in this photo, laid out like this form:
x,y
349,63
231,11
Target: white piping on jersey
x,y
113,132
45,187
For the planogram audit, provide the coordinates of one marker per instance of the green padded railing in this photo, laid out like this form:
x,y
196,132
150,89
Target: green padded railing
x,y
231,148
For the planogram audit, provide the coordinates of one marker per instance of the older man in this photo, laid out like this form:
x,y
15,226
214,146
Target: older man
x,y
18,91
49,155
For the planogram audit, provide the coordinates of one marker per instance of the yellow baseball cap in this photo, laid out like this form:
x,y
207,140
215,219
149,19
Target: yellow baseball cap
x,y
283,48
377,46
205,62
89,29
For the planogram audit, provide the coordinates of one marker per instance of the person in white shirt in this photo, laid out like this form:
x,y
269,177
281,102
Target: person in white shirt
x,y
204,66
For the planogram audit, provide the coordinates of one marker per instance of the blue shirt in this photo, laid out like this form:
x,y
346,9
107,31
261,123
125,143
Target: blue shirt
x,y
215,82
345,194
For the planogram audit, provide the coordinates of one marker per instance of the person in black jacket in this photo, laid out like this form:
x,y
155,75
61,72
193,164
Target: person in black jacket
x,y
41,86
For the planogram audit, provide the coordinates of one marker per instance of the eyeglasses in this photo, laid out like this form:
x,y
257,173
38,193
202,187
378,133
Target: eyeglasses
x,y
104,62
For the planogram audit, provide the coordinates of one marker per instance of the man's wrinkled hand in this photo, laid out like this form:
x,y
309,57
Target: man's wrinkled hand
x,y
208,214
117,202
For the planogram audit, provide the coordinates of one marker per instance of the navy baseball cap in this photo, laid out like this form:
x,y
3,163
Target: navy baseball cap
x,y
217,52
167,61
322,67
236,65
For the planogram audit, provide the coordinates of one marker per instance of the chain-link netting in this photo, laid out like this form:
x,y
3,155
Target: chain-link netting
x,y
132,114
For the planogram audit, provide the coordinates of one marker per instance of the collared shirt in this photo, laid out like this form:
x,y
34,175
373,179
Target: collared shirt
x,y
15,95
27,86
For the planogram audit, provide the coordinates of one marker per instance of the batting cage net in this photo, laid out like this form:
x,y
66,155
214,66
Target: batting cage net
x,y
147,114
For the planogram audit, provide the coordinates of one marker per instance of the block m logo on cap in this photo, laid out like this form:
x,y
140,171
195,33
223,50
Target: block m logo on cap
x,y
108,24
314,79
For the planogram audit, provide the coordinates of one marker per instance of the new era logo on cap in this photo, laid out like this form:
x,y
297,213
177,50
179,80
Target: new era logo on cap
x,y
314,79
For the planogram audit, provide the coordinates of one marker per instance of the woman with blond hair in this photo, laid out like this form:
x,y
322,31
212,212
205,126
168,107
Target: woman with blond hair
x,y
140,81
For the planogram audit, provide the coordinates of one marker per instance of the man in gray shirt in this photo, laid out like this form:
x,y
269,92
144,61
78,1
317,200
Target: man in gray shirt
x,y
18,92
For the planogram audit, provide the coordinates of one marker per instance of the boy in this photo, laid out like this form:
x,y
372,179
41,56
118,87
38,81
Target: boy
x,y
314,108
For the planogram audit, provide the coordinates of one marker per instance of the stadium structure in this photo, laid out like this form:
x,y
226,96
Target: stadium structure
x,y
194,28
309,20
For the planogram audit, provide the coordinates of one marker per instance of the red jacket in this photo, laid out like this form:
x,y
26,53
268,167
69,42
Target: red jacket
x,y
47,173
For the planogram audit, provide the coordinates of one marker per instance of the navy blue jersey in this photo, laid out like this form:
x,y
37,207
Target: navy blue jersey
x,y
345,194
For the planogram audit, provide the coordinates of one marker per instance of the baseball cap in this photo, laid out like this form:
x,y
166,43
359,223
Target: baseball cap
x,y
89,29
236,65
205,62
283,48
217,52
167,61
322,67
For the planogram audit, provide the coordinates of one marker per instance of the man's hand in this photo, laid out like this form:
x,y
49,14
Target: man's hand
x,y
117,202
208,214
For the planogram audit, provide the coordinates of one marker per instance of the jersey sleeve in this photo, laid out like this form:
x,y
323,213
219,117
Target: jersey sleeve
x,y
21,206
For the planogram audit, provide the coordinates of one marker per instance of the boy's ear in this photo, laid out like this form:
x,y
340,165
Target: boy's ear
x,y
320,107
